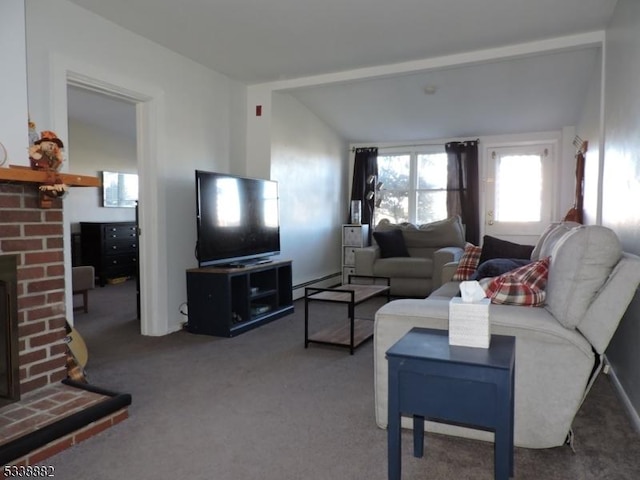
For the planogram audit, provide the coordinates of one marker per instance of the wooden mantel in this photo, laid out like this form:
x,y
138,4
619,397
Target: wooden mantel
x,y
17,173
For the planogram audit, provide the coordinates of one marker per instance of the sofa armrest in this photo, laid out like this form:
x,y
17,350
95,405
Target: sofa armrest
x,y
365,258
442,257
448,270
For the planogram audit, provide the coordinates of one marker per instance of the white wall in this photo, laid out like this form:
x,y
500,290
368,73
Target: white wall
x,y
621,175
238,128
188,115
309,160
258,146
588,128
13,83
93,150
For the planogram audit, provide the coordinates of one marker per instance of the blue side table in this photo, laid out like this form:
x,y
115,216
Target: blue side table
x,y
428,378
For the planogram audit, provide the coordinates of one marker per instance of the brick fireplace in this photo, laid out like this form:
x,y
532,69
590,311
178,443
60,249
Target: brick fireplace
x,y
41,412
34,236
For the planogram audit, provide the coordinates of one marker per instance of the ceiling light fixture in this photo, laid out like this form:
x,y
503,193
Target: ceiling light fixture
x,y
429,89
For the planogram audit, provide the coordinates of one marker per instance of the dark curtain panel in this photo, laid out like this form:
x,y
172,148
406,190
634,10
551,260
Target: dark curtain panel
x,y
365,164
463,186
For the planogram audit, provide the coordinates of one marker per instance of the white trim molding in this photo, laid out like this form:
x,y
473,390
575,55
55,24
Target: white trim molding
x,y
150,107
568,42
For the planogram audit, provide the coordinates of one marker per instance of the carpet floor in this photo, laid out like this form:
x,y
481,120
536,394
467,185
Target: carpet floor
x,y
261,406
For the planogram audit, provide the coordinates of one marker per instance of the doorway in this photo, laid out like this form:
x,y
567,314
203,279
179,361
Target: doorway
x,y
149,102
519,190
103,222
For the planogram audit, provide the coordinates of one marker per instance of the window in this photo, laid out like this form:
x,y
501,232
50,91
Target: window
x,y
518,188
414,186
119,189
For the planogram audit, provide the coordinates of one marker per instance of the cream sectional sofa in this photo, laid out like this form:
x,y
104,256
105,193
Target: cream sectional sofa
x,y
559,346
429,247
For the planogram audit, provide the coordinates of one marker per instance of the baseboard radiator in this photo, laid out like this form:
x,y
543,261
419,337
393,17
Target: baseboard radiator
x,y
327,281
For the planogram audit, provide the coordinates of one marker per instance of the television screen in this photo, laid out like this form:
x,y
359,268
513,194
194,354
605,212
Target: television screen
x,y
237,218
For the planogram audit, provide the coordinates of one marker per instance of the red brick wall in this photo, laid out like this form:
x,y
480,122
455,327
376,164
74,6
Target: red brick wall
x,y
35,235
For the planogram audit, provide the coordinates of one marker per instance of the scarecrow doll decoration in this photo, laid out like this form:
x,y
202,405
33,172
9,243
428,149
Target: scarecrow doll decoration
x,y
46,154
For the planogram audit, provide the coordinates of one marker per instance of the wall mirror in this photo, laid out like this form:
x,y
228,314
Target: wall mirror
x,y
119,189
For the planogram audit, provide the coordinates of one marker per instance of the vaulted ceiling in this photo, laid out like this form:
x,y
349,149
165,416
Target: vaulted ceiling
x,y
258,41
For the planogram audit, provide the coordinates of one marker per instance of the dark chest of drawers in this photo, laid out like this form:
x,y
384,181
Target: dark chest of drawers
x,y
112,248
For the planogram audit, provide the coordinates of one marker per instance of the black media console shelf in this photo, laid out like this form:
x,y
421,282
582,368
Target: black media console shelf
x,y
226,302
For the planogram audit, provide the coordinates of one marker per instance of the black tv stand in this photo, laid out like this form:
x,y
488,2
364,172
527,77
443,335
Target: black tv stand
x,y
227,301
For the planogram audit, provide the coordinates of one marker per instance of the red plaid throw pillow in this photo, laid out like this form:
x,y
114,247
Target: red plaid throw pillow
x,y
468,263
523,286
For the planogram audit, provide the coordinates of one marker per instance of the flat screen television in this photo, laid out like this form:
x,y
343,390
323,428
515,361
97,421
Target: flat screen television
x,y
237,219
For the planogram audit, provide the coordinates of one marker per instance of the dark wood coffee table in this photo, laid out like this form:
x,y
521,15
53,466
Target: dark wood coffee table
x,y
352,334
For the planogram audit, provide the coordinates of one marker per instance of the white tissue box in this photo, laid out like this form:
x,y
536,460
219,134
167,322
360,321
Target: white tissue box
x,y
469,323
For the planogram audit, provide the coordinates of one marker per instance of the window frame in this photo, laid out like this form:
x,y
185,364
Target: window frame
x,y
413,190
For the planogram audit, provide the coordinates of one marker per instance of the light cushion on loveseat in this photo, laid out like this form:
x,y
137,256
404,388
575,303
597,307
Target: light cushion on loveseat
x,y
581,262
407,267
